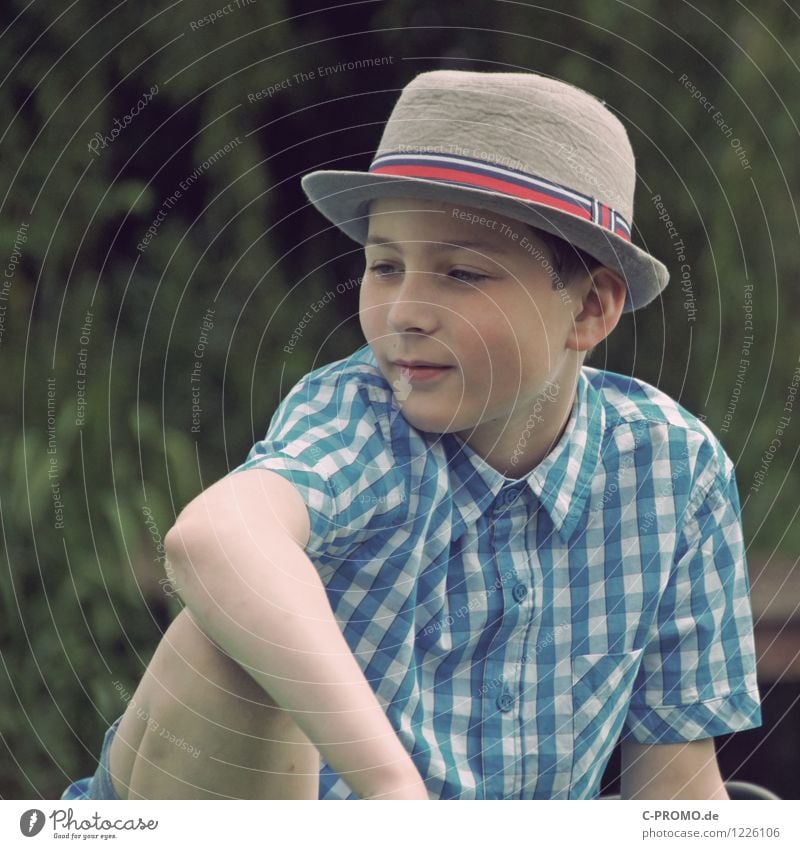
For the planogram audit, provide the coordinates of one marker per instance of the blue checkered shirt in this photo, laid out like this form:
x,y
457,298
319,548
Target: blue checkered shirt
x,y
514,629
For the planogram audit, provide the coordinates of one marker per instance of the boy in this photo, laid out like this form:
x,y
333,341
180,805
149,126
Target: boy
x,y
525,558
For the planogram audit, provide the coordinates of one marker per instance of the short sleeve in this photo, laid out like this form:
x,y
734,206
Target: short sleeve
x,y
698,674
324,440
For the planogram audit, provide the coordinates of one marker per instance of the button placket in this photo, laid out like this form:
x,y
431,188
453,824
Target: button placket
x,y
508,497
514,591
501,703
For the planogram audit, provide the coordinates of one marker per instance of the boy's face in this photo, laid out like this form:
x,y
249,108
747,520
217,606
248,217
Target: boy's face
x,y
488,312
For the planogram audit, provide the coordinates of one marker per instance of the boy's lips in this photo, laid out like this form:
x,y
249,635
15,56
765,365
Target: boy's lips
x,y
417,370
419,364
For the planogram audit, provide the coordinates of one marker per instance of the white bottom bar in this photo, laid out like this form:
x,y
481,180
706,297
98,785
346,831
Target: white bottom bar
x,y
589,825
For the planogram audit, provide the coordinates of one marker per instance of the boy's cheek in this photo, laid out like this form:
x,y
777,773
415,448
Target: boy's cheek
x,y
371,316
366,318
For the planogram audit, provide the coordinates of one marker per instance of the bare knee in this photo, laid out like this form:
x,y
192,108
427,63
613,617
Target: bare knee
x,y
205,727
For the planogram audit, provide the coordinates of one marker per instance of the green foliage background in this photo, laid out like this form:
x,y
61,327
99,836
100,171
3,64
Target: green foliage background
x,y
83,606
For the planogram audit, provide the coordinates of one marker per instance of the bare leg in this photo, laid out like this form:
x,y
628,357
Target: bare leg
x,y
199,727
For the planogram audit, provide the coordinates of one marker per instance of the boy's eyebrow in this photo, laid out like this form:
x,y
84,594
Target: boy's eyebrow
x,y
474,244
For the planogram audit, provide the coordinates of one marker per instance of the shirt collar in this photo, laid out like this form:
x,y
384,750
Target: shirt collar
x,y
561,481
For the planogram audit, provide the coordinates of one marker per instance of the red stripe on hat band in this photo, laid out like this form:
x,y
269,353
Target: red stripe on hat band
x,y
482,181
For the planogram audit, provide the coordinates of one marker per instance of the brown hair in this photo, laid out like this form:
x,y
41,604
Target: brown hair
x,y
568,263
568,260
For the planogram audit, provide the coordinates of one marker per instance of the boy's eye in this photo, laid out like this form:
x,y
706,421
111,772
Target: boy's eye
x,y
385,269
468,276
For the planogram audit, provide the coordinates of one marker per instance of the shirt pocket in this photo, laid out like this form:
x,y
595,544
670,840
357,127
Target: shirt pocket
x,y
601,690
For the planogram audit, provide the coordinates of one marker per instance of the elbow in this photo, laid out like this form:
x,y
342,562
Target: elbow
x,y
180,545
176,539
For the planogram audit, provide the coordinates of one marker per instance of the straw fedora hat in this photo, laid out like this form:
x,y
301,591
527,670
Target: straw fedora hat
x,y
522,145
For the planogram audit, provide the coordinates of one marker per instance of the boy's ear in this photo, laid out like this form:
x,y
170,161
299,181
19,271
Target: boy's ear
x,y
601,297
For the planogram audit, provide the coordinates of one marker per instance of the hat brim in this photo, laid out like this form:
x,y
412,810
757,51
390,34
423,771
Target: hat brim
x,y
343,198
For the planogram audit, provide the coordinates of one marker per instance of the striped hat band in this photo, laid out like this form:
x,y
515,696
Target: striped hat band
x,y
478,174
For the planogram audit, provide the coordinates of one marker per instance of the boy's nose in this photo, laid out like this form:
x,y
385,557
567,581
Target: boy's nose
x,y
414,306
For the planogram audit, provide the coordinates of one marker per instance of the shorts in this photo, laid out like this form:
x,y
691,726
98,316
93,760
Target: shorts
x,y
97,786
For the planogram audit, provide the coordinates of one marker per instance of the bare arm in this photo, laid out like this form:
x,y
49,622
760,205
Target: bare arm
x,y
240,567
671,771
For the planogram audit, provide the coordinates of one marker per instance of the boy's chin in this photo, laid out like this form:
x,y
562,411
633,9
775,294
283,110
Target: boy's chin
x,y
431,421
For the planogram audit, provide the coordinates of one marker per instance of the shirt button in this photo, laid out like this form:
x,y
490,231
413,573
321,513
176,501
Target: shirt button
x,y
508,497
505,702
519,592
